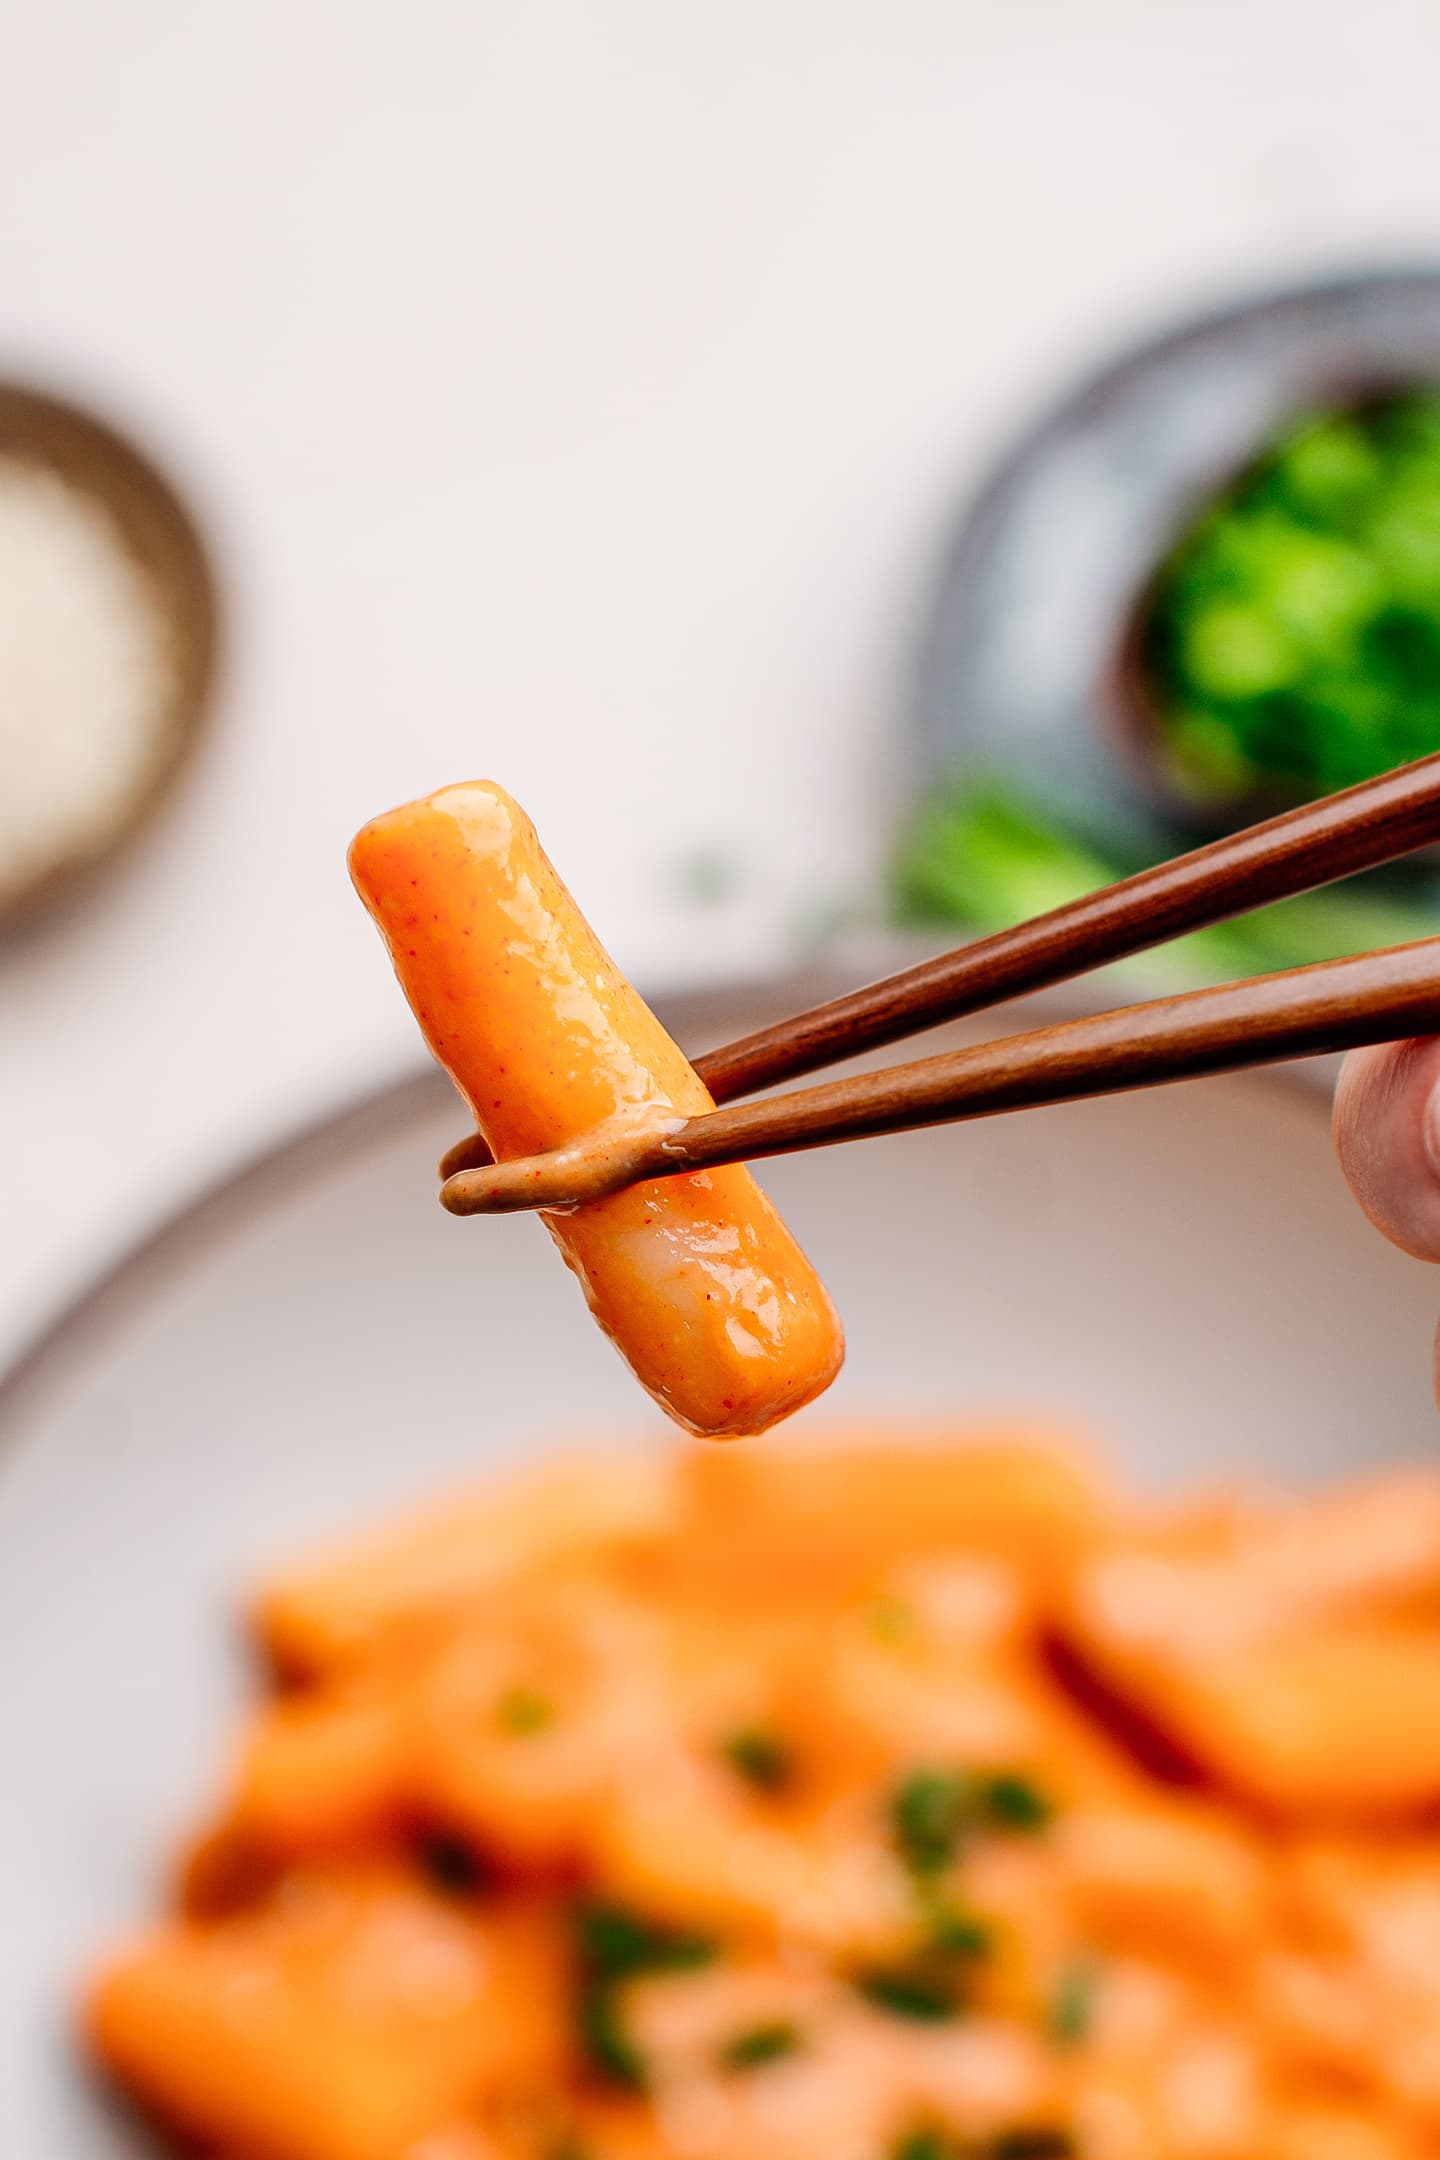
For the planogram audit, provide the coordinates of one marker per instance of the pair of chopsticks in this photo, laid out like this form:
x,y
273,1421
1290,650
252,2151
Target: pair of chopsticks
x,y
1301,1012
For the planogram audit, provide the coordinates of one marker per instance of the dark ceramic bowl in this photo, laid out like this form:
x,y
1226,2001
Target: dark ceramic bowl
x,y
1029,655
164,539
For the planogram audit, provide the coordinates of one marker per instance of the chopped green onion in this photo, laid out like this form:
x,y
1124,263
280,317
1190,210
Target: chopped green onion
x,y
951,1933
761,1759
934,2141
605,2044
1013,1803
1291,640
933,1811
993,853
614,1945
926,2143
760,2044
617,1944
918,1991
928,1815
521,1711
1071,2010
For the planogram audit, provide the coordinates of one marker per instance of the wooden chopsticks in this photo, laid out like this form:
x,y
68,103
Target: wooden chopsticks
x,y
1334,1005
1302,1012
1314,845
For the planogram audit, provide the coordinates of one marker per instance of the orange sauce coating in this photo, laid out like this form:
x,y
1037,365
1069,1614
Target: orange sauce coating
x,y
876,1795
695,1279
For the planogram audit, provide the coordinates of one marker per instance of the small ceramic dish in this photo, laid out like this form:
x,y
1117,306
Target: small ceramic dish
x,y
1028,656
144,515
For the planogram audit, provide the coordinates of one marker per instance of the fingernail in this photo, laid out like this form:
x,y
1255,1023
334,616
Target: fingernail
x,y
1430,1131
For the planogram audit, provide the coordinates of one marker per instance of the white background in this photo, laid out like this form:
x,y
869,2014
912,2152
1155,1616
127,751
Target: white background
x,y
576,393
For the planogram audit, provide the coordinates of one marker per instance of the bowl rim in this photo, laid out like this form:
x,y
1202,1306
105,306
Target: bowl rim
x,y
95,456
220,1205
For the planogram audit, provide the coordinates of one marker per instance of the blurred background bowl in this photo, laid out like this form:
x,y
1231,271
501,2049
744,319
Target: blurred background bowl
x,y
101,470
1042,575
1044,755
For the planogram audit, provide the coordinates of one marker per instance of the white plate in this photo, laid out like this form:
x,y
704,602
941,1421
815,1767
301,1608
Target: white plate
x,y
316,1340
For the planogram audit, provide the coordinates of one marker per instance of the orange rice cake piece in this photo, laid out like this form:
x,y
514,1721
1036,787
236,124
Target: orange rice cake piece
x,y
346,2017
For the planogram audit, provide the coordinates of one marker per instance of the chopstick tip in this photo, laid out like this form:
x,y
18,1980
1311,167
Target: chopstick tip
x,y
615,1154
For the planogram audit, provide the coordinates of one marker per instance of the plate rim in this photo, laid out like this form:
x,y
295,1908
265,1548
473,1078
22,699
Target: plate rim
x,y
307,1150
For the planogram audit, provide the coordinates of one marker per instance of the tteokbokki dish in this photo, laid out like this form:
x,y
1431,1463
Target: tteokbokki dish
x,y
887,1796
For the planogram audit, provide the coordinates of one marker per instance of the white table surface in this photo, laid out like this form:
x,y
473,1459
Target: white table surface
x,y
576,392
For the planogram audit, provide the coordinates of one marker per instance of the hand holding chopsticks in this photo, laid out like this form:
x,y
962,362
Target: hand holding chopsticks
x,y
1373,997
